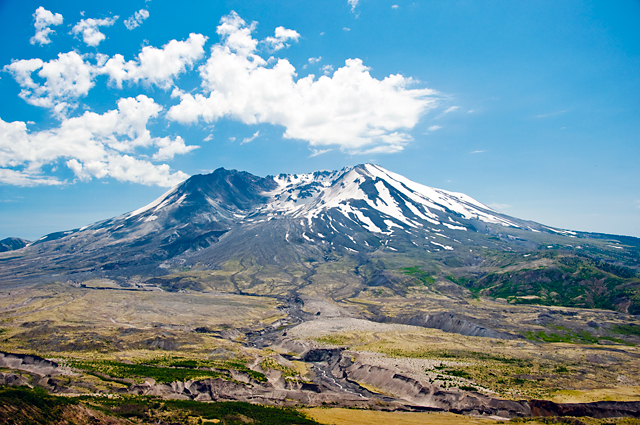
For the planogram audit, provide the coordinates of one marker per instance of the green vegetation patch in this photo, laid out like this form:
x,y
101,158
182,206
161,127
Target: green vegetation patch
x,y
568,280
168,369
271,363
150,409
627,329
333,339
457,355
138,372
21,405
419,274
569,337
35,406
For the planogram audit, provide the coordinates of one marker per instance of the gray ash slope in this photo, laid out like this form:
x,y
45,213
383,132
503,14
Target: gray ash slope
x,y
363,212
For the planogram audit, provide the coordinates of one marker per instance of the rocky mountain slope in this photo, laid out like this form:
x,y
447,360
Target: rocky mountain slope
x,y
282,229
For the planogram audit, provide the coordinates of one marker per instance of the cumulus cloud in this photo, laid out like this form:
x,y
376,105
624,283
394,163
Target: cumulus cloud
x,y
91,146
88,28
136,19
353,4
282,35
350,109
63,81
395,6
157,66
43,20
314,61
170,148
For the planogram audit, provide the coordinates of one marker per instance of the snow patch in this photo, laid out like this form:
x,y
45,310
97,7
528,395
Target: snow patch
x,y
448,248
452,227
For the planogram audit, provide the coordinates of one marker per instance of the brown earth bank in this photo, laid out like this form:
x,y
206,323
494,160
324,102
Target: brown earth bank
x,y
336,385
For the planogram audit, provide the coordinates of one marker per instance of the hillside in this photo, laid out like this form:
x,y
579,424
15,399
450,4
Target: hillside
x,y
354,288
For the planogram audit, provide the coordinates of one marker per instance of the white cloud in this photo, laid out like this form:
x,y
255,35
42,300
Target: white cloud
x,y
350,109
157,66
136,19
92,146
282,35
25,179
327,69
476,152
353,4
169,148
89,29
395,6
316,152
435,127
44,19
237,35
346,29
314,61
250,139
65,79
451,109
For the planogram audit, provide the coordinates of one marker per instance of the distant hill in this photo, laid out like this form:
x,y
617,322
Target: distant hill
x,y
9,244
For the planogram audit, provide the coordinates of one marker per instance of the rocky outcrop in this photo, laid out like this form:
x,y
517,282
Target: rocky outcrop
x,y
598,409
447,322
431,396
13,380
217,389
28,363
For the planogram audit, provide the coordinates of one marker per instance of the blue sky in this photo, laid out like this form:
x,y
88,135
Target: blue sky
x,y
532,108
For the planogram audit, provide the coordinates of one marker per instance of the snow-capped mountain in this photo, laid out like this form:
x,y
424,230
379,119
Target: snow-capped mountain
x,y
396,199
209,219
367,196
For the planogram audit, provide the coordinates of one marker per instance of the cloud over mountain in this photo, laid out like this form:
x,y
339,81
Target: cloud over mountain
x,y
92,146
350,109
347,109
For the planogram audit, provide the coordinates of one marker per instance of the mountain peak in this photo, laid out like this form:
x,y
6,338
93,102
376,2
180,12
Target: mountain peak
x,y
360,209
